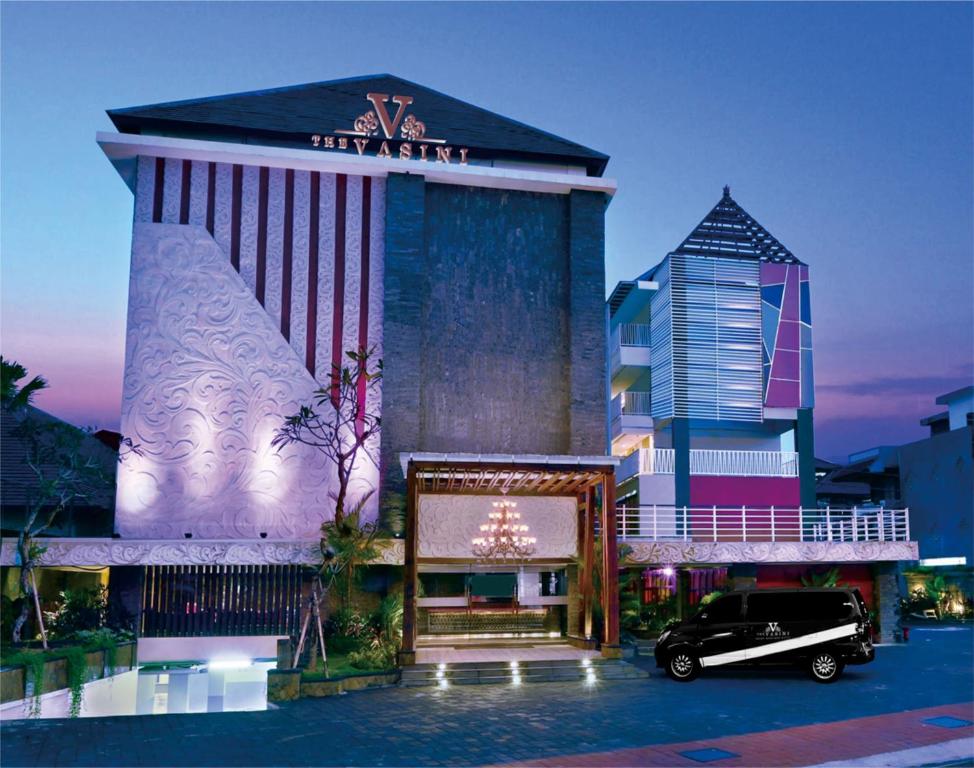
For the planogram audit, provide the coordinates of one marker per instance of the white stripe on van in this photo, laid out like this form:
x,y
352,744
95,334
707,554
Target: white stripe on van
x,y
846,630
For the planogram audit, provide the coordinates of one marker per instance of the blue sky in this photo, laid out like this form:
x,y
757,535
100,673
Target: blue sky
x,y
845,129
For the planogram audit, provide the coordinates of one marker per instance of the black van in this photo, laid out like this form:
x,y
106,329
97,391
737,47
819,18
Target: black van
x,y
820,629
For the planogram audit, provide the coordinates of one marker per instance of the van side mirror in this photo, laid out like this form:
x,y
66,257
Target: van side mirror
x,y
703,616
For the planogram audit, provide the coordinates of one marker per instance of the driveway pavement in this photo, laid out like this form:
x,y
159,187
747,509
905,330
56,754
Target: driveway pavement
x,y
480,725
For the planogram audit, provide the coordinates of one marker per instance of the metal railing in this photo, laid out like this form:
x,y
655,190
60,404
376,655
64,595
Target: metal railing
x,y
662,461
761,524
744,463
631,404
633,334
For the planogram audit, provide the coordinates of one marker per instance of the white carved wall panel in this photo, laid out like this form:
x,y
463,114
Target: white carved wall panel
x,y
447,523
208,379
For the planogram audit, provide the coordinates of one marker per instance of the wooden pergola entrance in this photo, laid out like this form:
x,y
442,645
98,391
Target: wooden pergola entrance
x,y
590,479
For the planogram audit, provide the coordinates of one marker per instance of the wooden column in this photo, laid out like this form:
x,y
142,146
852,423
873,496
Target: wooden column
x,y
408,654
585,586
610,569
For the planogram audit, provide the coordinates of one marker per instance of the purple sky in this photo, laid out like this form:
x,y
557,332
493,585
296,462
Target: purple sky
x,y
845,129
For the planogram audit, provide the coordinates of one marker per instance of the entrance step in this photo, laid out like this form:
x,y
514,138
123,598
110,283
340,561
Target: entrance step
x,y
474,673
645,647
453,641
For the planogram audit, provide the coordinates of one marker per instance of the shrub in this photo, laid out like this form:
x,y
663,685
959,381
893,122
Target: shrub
x,y
378,655
78,610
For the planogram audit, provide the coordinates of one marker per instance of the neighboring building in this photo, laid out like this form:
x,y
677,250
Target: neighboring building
x,y
937,485
871,478
274,231
20,482
712,392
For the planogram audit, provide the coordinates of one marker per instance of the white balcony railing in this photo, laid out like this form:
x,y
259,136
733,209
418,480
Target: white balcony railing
x,y
744,463
661,461
633,334
761,524
631,404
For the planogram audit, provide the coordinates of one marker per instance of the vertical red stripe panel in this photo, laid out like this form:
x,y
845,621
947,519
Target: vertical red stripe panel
x,y
235,205
312,332
184,192
338,307
286,256
160,183
210,196
363,304
262,196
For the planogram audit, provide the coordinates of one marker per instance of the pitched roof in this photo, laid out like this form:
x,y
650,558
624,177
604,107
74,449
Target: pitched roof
x,y
290,115
729,230
17,480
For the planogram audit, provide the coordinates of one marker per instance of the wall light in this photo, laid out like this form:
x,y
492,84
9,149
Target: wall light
x,y
229,663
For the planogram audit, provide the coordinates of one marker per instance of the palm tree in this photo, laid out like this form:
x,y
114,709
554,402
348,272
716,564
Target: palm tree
x,y
14,398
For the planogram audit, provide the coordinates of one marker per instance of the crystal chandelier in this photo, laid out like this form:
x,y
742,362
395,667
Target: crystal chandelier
x,y
503,536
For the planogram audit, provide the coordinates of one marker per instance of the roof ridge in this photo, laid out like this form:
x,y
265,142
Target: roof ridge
x,y
261,92
714,235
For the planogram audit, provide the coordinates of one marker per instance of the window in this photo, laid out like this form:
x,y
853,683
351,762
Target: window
x,y
800,606
724,609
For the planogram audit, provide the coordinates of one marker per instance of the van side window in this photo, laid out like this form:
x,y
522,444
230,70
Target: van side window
x,y
724,609
783,606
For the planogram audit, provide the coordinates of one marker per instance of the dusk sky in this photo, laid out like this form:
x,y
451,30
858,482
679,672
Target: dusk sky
x,y
845,129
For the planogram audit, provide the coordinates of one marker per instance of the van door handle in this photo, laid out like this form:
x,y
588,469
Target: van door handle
x,y
723,634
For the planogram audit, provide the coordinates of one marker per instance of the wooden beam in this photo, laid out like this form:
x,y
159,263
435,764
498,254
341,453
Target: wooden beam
x,y
610,563
585,577
408,655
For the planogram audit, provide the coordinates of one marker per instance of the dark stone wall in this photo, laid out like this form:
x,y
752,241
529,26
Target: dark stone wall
x,y
494,335
496,355
588,433
405,290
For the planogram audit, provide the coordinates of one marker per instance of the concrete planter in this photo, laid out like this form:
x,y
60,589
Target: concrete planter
x,y
287,685
14,679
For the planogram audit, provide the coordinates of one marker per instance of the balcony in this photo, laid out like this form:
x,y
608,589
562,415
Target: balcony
x,y
631,414
761,524
661,461
628,352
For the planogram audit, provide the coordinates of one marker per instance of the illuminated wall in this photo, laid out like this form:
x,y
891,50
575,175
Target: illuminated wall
x,y
246,284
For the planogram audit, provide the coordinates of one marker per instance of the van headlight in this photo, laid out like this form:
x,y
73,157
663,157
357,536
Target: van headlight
x,y
662,638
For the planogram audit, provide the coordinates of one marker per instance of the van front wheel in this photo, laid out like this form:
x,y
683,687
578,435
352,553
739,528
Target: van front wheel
x,y
683,667
825,668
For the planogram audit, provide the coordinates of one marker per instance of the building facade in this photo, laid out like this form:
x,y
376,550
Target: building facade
x,y
274,232
711,388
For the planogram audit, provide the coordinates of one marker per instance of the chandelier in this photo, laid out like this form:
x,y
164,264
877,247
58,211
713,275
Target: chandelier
x,y
503,536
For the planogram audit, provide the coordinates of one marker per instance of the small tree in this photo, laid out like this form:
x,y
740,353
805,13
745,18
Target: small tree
x,y
341,425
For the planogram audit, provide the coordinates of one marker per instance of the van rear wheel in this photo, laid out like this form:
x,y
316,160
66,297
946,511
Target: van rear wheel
x,y
683,667
825,667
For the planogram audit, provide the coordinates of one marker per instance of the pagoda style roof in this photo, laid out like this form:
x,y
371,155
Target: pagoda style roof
x,y
291,115
729,230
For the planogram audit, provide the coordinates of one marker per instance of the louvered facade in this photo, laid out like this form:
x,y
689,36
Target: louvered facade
x,y
707,355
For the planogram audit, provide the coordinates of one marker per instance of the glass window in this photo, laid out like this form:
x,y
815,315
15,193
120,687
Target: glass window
x,y
723,609
771,606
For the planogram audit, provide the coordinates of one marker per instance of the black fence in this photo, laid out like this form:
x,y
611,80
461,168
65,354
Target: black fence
x,y
199,600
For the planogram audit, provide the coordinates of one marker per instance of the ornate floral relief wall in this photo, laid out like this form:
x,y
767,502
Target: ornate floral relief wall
x,y
208,378
447,523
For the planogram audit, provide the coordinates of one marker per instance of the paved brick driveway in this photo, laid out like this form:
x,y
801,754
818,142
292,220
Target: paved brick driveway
x,y
474,725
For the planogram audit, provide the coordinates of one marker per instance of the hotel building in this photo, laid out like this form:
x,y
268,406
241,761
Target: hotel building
x,y
711,398
274,231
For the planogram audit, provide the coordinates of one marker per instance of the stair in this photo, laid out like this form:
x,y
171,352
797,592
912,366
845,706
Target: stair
x,y
501,672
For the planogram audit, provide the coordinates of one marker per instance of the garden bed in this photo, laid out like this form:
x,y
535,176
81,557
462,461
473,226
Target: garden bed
x,y
17,671
290,684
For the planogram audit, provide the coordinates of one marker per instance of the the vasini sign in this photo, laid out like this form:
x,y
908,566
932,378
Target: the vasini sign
x,y
366,138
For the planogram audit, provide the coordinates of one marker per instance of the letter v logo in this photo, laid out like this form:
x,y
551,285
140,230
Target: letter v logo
x,y
379,102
